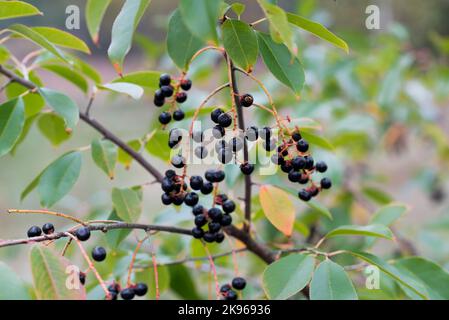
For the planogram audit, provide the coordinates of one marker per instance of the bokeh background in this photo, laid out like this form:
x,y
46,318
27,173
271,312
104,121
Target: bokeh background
x,y
384,106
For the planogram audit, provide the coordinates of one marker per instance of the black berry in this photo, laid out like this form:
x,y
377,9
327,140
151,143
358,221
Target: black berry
x,y
167,91
207,188
215,214
196,182
140,289
247,168
226,220
304,195
231,295
209,237
178,115
224,120
219,237
228,206
164,79
34,231
298,163
186,84
296,136
326,183
302,145
82,233
165,117
191,199
127,294
178,161
98,254
225,288
197,233
294,176
214,227
82,278
215,114
246,100
218,132
198,209
321,166
238,283
166,199
181,97
200,220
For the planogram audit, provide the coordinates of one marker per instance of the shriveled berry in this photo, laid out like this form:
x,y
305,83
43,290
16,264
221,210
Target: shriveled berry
x,y
326,183
247,168
304,195
140,289
224,120
181,97
238,283
178,115
197,233
48,228
82,233
164,79
34,231
207,188
99,254
127,294
246,100
200,220
167,90
215,114
302,145
191,199
186,84
165,117
321,166
82,278
228,206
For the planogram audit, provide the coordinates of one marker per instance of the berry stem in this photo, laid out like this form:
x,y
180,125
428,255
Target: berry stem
x,y
156,274
52,213
133,260
214,270
91,265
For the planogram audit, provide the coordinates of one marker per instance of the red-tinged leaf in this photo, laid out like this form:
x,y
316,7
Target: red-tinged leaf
x,y
278,208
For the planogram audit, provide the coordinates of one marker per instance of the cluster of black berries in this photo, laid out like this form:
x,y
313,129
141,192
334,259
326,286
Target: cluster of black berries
x,y
139,289
166,90
35,231
214,218
238,283
293,158
175,190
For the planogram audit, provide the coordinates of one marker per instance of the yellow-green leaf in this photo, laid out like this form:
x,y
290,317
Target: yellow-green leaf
x,y
52,127
127,204
17,9
372,230
104,153
95,11
62,38
278,208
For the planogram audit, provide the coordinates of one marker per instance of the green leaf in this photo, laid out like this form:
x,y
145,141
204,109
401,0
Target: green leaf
x,y
238,8
280,30
37,38
127,204
389,214
181,282
13,288
123,29
392,272
115,237
32,185
52,127
331,282
94,14
62,38
50,277
124,158
377,195
433,277
104,153
68,74
287,276
62,105
240,42
181,43
320,208
144,79
317,29
157,145
12,120
278,208
33,101
317,140
286,69
201,17
130,89
17,9
147,276
373,230
4,54
59,178
26,129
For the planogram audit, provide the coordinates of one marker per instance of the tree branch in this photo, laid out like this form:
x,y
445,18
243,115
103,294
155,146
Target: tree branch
x,y
241,122
98,227
96,125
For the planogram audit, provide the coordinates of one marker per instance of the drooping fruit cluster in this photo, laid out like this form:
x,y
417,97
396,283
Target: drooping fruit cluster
x,y
168,91
227,292
139,289
36,231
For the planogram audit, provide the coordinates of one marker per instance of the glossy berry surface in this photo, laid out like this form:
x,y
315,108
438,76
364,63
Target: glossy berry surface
x,y
238,283
178,115
197,233
181,97
140,289
165,117
167,91
247,168
246,100
186,84
224,120
215,114
34,231
326,183
228,206
196,182
321,166
164,79
304,195
82,233
302,145
127,294
48,228
98,254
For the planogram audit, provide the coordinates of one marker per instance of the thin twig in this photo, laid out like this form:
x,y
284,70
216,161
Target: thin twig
x,y
47,212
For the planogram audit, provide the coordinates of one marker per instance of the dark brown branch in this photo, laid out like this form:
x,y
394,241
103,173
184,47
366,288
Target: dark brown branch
x,y
97,227
241,123
94,124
